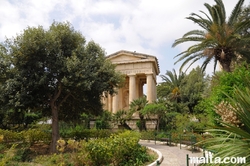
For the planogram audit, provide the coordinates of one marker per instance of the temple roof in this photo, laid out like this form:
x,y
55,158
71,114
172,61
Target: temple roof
x,y
124,56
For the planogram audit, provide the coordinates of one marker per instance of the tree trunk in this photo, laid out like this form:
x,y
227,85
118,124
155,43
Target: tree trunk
x,y
158,124
226,67
55,128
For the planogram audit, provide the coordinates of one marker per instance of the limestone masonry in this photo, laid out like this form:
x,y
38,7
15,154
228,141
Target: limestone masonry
x,y
139,69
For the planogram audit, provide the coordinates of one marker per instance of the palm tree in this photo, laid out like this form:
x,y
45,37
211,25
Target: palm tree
x,y
120,117
220,40
174,82
137,106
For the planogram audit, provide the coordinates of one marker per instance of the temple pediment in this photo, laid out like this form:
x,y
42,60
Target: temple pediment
x,y
123,58
138,69
130,58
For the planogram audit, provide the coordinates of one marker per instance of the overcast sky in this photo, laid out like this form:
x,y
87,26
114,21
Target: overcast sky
x,y
144,26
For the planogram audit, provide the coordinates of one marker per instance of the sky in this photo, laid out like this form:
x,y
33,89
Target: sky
x,y
144,26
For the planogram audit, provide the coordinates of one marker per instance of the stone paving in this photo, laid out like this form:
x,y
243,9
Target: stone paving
x,y
173,155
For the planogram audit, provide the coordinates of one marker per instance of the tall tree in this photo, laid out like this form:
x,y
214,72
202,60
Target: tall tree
x,y
54,66
192,88
219,39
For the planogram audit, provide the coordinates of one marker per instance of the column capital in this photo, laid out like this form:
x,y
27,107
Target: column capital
x,y
151,73
132,75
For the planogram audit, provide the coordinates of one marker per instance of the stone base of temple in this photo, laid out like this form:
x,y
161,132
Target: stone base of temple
x,y
150,124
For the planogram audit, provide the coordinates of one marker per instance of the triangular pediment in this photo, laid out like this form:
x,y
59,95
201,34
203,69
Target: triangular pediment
x,y
123,56
128,57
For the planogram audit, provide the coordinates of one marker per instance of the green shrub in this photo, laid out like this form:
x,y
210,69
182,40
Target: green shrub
x,y
33,135
11,136
30,136
148,135
78,133
118,149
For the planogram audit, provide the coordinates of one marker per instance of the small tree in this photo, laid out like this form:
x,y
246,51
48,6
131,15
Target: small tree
x,y
137,106
157,109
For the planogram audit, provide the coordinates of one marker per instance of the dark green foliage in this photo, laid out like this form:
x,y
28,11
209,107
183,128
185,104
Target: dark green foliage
x,y
184,91
103,120
185,94
158,109
192,87
55,70
120,118
170,121
223,85
22,154
79,132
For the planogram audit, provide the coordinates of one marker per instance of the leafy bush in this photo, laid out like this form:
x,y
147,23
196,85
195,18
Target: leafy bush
x,y
118,149
33,135
11,136
79,133
148,135
30,136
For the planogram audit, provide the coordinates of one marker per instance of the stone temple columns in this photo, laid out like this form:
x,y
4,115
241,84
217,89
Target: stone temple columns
x,y
132,87
150,88
139,70
115,103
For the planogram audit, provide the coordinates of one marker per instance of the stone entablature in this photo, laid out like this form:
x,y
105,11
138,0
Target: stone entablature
x,y
139,69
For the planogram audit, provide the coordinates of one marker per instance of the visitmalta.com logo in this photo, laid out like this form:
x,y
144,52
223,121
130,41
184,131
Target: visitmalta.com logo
x,y
217,160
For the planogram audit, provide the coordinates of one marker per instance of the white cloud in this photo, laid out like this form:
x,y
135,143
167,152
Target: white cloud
x,y
144,26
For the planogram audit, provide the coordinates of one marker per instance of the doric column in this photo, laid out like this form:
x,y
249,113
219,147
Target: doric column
x,y
155,90
137,88
132,87
104,101
120,99
109,102
150,88
115,103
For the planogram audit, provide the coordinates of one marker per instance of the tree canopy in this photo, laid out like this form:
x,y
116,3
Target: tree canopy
x,y
55,70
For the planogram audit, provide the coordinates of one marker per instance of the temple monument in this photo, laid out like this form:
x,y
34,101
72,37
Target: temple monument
x,y
139,69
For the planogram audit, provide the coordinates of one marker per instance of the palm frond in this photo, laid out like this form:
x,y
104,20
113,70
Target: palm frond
x,y
229,140
206,16
241,26
205,63
235,13
201,22
194,58
194,32
187,39
221,11
218,34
